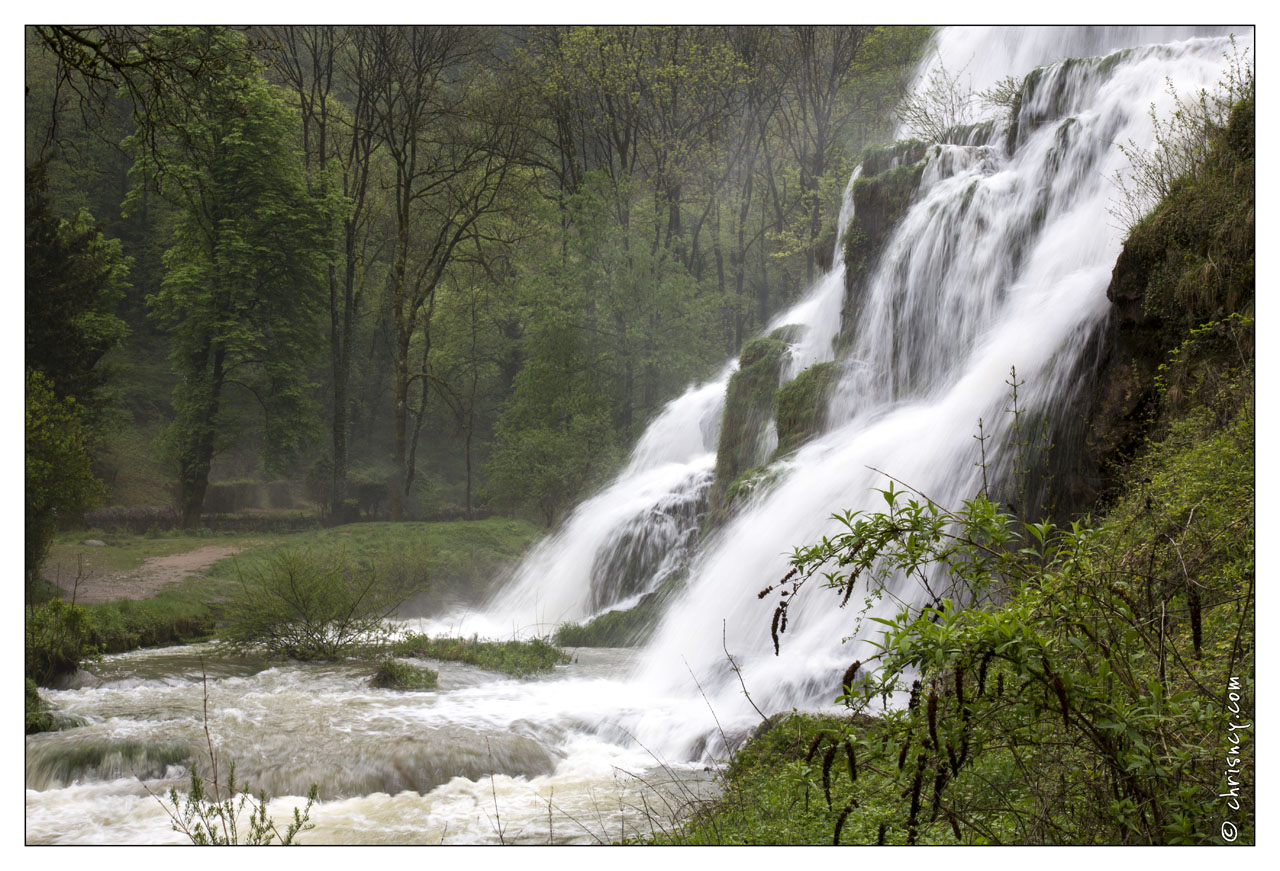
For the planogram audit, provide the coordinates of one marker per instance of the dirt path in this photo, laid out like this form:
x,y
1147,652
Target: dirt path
x,y
151,577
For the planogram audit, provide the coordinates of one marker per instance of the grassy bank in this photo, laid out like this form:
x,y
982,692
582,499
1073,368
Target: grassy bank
x,y
459,559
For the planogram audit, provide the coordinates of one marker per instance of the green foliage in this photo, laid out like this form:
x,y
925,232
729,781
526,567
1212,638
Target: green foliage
x,y
75,278
393,674
1105,649
801,403
172,617
59,482
241,290
613,329
310,604
57,640
37,711
516,658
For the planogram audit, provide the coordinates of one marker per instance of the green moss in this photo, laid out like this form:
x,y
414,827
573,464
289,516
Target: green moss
x,y
106,760
802,404
748,410
877,159
788,333
879,201
393,674
516,658
625,628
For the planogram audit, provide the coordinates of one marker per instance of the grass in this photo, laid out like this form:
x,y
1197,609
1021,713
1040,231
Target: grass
x,y
124,552
454,559
181,615
516,658
457,558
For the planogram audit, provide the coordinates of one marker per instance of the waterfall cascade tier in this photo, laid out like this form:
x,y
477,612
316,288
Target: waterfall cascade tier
x,y
997,254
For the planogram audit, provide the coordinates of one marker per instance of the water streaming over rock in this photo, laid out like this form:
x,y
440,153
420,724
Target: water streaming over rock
x,y
1001,257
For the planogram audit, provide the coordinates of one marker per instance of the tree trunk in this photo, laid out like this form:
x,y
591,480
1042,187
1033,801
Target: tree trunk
x,y
196,453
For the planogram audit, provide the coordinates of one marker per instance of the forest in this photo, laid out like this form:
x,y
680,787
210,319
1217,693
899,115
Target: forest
x,y
663,435
445,271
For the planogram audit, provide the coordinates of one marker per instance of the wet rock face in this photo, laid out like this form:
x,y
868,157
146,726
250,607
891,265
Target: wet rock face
x,y
748,412
1187,264
890,178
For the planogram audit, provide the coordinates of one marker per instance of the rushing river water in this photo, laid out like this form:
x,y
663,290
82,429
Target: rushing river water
x,y
1003,259
482,759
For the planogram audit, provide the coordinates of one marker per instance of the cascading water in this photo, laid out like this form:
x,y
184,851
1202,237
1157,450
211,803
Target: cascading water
x,y
1001,258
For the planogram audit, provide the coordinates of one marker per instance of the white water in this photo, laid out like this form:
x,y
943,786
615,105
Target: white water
x,y
1002,260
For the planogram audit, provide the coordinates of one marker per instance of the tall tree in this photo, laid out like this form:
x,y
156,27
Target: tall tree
x,y
450,155
75,278
321,65
243,277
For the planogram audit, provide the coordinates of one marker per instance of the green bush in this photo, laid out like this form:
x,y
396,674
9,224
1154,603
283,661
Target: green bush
x,y
1065,685
395,675
58,640
309,605
516,658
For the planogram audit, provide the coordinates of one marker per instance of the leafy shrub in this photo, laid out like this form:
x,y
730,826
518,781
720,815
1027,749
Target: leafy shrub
x,y
212,820
310,605
395,675
516,658
1183,141
1062,685
58,639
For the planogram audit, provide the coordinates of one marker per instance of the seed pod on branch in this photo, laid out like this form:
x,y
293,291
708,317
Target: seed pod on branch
x,y
827,759
850,673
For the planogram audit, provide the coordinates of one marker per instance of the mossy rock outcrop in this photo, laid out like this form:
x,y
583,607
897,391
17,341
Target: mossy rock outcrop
x,y
880,199
1182,293
802,406
748,411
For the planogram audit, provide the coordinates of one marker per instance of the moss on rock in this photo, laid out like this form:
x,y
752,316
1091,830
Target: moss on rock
x,y
748,411
1182,293
801,405
879,202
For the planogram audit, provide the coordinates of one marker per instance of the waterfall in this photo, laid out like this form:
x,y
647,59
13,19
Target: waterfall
x,y
1002,258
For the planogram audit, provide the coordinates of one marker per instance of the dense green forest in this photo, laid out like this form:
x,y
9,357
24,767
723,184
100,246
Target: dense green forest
x,y
412,272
